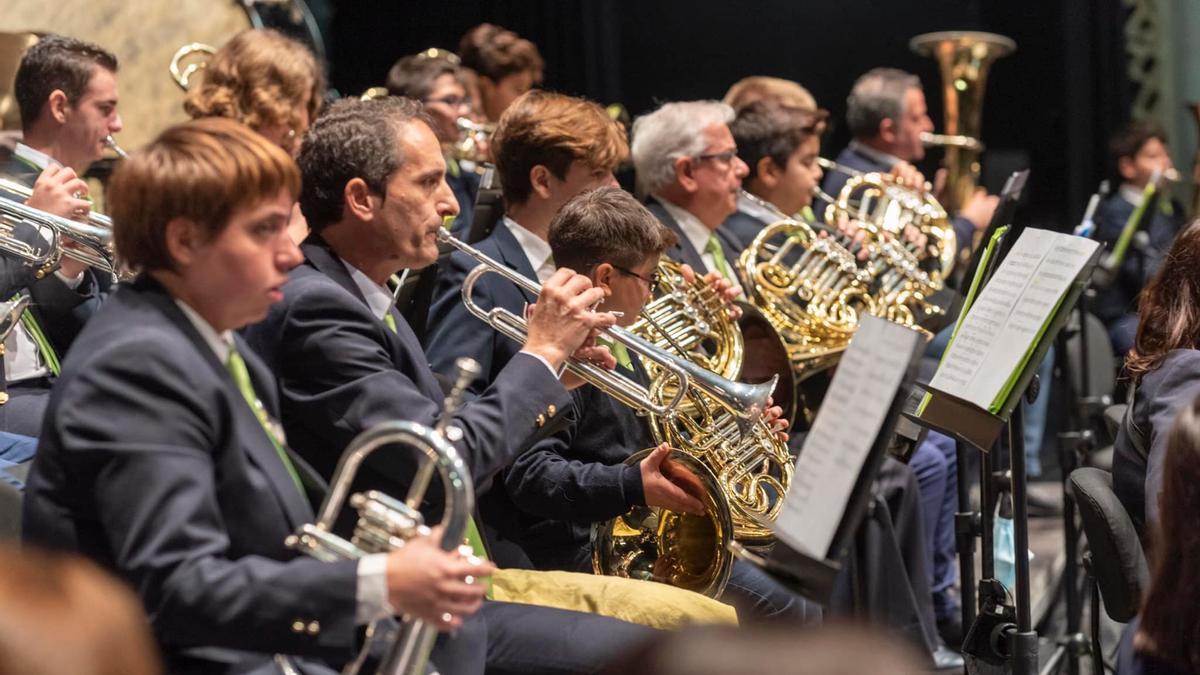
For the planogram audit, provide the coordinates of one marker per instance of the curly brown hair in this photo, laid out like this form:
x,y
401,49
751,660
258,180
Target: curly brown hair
x,y
260,78
497,52
1169,307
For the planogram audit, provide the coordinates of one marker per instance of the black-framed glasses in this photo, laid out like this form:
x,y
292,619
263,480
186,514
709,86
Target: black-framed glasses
x,y
452,101
652,281
722,157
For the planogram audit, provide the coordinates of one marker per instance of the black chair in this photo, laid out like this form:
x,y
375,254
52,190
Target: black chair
x,y
1115,560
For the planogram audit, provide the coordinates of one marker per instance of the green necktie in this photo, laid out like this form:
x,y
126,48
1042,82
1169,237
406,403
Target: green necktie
x,y
619,351
714,249
39,339
474,539
241,377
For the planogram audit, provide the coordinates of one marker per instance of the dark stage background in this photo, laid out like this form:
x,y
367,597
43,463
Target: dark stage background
x,y
1050,106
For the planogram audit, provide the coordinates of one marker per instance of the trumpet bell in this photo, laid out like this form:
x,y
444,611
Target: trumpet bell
x,y
654,544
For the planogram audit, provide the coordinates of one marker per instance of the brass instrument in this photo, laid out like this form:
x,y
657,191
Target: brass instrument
x,y
195,55
43,244
472,142
719,430
385,523
963,59
112,145
10,314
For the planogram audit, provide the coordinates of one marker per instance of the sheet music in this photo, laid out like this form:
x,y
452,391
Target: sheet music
x,y
854,409
1010,315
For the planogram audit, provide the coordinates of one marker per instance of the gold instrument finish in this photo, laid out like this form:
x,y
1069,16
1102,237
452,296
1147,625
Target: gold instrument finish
x,y
810,288
681,550
472,142
692,319
963,59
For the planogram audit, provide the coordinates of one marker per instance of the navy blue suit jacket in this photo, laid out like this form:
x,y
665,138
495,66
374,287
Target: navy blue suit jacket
x,y
465,187
152,463
1140,262
341,371
453,332
683,251
741,229
964,230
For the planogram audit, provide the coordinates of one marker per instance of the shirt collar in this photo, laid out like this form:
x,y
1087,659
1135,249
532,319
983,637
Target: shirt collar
x,y
537,250
1132,194
695,231
763,212
379,300
220,343
880,156
36,158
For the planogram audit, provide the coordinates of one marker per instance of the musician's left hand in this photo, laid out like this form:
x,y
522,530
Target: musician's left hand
x,y
729,291
773,416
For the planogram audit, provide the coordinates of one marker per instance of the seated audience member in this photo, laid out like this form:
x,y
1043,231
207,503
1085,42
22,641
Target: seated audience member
x,y
61,615
505,64
436,82
158,458
1139,150
1162,639
267,81
1164,372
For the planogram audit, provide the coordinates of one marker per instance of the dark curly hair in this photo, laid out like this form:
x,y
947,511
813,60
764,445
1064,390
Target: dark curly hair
x,y
496,53
352,139
56,62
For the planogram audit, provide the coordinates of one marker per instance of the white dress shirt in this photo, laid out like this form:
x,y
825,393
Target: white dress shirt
x,y
1132,194
371,593
536,249
695,232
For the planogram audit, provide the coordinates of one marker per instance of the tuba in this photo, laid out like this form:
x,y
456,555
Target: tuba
x,y
738,477
385,523
963,59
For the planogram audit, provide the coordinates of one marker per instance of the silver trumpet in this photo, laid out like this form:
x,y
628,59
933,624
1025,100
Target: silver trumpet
x,y
45,244
10,314
745,401
112,145
385,523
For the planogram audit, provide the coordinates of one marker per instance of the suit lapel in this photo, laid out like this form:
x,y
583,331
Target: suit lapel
x,y
511,254
682,251
255,442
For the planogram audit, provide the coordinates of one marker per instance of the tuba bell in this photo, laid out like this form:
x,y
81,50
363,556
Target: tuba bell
x,y
385,523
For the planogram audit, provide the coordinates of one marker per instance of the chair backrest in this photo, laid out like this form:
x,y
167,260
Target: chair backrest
x,y
1117,562
1101,367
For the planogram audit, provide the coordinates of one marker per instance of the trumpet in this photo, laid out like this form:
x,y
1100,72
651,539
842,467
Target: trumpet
x,y
94,219
746,401
112,145
44,242
385,523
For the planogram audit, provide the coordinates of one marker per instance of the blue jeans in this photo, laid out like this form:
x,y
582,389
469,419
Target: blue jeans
x,y
758,597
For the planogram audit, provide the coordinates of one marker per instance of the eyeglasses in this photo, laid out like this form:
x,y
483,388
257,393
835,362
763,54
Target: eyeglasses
x,y
653,281
452,101
722,157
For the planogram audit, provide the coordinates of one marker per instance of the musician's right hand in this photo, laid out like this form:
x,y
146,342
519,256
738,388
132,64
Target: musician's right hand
x,y
979,208
665,491
60,192
562,320
909,176
431,584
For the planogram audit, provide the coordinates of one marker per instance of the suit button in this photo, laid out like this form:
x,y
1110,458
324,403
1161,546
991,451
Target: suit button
x,y
314,627
541,420
551,410
40,274
297,626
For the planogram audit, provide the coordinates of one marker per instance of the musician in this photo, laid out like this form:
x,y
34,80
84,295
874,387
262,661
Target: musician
x,y
437,83
346,359
158,458
886,114
66,91
1138,150
506,65
548,148
780,146
267,81
577,477
690,173
762,88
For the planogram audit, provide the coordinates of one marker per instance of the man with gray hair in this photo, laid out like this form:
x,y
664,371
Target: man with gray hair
x,y
690,174
886,115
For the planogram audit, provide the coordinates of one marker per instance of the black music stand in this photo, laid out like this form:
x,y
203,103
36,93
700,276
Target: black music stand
x,y
980,429
814,577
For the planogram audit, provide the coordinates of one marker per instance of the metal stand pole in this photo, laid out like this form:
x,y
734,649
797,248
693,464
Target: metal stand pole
x,y
1024,642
